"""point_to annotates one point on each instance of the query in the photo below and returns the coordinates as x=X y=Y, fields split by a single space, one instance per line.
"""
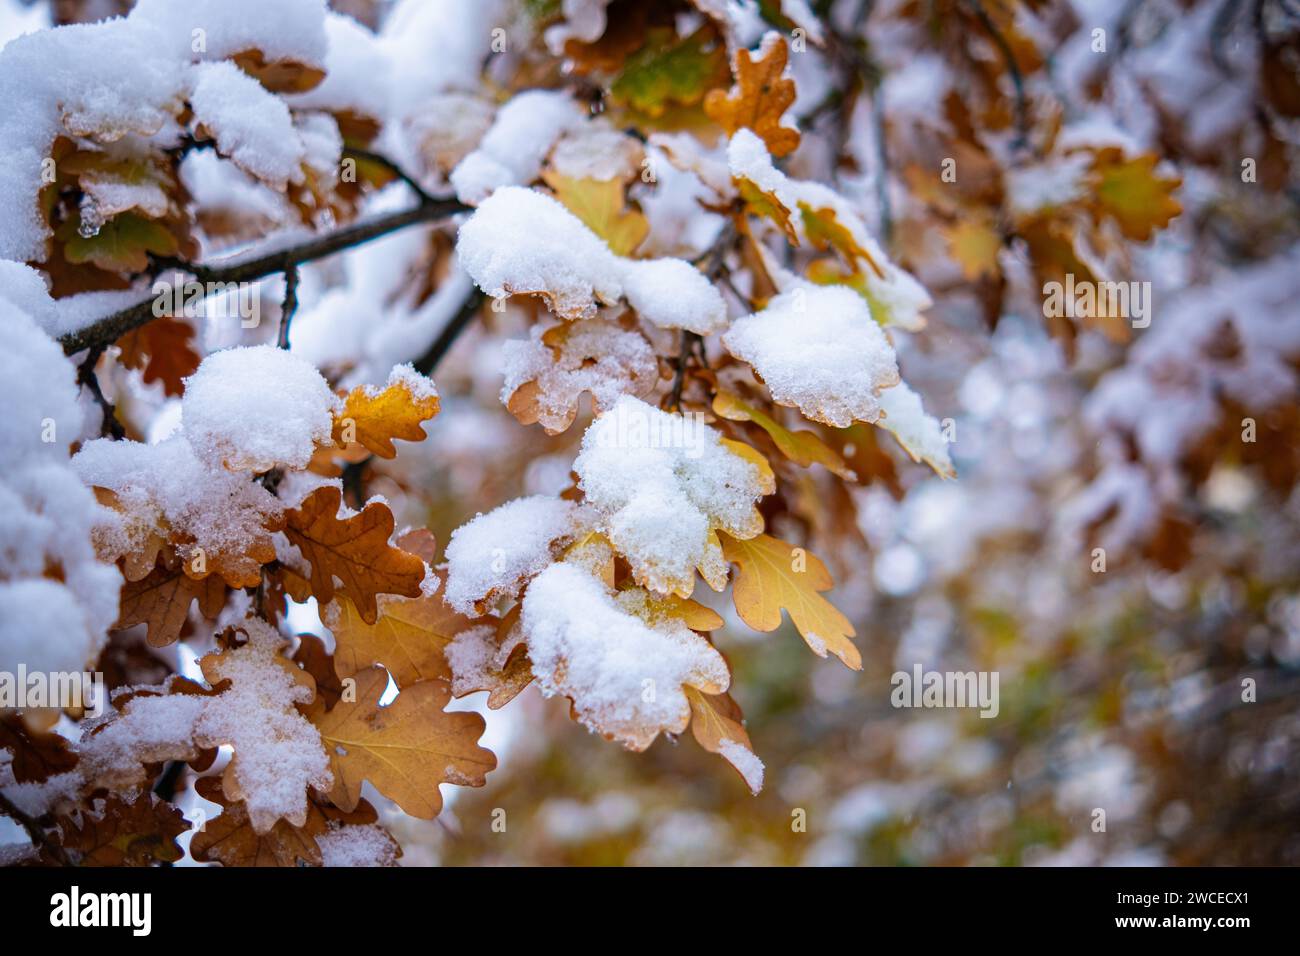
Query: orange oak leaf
x=405 y=749
x=373 y=417
x=774 y=575
x=719 y=727
x=162 y=600
x=802 y=447
x=353 y=549
x=163 y=349
x=759 y=98
x=118 y=833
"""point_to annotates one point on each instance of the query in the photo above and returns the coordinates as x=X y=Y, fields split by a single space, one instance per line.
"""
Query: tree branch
x=35 y=831
x=109 y=329
x=1013 y=68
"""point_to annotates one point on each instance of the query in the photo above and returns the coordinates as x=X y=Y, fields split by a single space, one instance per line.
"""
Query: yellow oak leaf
x=719 y=727
x=602 y=206
x=354 y=549
x=405 y=749
x=409 y=638
x=1132 y=193
x=767 y=204
x=825 y=231
x=759 y=97
x=802 y=447
x=774 y=575
x=373 y=417
x=974 y=243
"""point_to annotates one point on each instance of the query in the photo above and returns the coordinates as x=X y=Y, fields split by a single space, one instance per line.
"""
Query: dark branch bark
x=40 y=839
x=109 y=329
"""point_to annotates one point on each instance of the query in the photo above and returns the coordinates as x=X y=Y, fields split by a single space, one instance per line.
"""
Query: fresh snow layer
x=818 y=348
x=662 y=484
x=496 y=554
x=625 y=676
x=520 y=241
x=256 y=407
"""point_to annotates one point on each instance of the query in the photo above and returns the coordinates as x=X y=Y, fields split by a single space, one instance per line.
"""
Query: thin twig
x=87 y=378
x=109 y=329
x=428 y=362
x=35 y=831
x=1013 y=69
x=392 y=167
x=289 y=306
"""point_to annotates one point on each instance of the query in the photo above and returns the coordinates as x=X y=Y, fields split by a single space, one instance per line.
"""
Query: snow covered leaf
x=277 y=753
x=546 y=375
x=766 y=203
x=759 y=98
x=919 y=433
x=161 y=601
x=825 y=231
x=279 y=75
x=373 y=417
x=491 y=658
x=719 y=727
x=775 y=575
x=32 y=756
x=162 y=349
x=663 y=485
x=671 y=71
x=802 y=447
x=1132 y=193
x=496 y=554
x=409 y=638
x=139 y=833
x=523 y=242
x=624 y=669
x=354 y=549
x=602 y=205
x=405 y=749
x=818 y=349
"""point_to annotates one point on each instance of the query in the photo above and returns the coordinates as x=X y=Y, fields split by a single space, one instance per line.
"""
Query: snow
x=625 y=677
x=46 y=514
x=896 y=297
x=596 y=356
x=512 y=151
x=520 y=241
x=250 y=125
x=818 y=348
x=291 y=30
x=357 y=845
x=919 y=433
x=662 y=484
x=254 y=408
x=495 y=554
x=166 y=486
x=357 y=73
x=476 y=659
x=745 y=761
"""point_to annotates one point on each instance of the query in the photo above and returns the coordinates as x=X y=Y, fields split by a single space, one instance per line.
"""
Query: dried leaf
x=162 y=600
x=774 y=575
x=802 y=447
x=602 y=205
x=719 y=727
x=374 y=417
x=355 y=550
x=759 y=98
x=405 y=749
x=139 y=833
x=162 y=349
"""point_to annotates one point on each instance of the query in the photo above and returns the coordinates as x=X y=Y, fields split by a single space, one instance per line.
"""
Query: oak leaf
x=719 y=727
x=974 y=244
x=774 y=575
x=161 y=601
x=759 y=97
x=162 y=349
x=373 y=417
x=1131 y=193
x=405 y=749
x=602 y=205
x=670 y=71
x=139 y=833
x=802 y=447
x=353 y=549
x=122 y=244
x=34 y=757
